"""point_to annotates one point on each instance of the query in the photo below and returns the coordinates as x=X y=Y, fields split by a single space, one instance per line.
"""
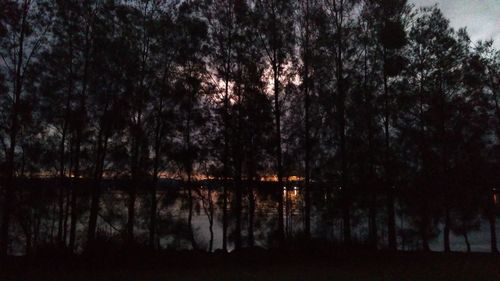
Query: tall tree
x=106 y=97
x=25 y=25
x=222 y=20
x=391 y=32
x=306 y=26
x=188 y=90
x=341 y=22
x=163 y=29
x=276 y=38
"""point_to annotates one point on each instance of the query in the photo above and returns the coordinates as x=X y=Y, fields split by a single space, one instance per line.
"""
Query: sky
x=481 y=17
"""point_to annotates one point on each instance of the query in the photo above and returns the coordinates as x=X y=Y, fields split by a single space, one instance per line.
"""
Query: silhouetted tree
x=188 y=90
x=275 y=23
x=374 y=105
x=24 y=25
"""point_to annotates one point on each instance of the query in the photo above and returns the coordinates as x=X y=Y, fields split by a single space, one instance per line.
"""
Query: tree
x=23 y=23
x=106 y=97
x=306 y=13
x=341 y=26
x=388 y=23
x=276 y=38
x=161 y=101
x=223 y=26
x=480 y=69
x=58 y=82
x=188 y=90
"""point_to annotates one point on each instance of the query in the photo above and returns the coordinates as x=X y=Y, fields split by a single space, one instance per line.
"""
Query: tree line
x=386 y=103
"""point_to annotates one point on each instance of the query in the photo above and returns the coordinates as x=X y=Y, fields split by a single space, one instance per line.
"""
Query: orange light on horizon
x=274 y=178
x=295 y=178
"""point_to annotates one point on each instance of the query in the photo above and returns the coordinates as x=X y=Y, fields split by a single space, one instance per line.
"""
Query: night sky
x=481 y=17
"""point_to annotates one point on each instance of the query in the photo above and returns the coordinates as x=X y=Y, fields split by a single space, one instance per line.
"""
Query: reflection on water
x=39 y=216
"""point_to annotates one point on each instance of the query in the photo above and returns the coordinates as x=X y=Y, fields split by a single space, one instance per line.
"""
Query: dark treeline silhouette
x=373 y=110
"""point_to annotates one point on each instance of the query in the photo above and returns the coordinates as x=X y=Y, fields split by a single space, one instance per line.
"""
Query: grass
x=262 y=266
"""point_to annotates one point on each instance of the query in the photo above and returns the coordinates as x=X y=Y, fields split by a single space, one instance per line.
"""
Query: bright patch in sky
x=481 y=17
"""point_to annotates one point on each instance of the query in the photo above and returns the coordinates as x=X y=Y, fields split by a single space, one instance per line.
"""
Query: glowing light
x=274 y=178
x=295 y=178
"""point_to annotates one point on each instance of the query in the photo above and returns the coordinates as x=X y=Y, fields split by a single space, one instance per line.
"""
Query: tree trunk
x=72 y=232
x=61 y=196
x=154 y=185
x=211 y=241
x=277 y=116
x=492 y=221
x=66 y=215
x=238 y=159
x=96 y=188
x=136 y=174
x=131 y=212
x=446 y=231
x=424 y=231
x=94 y=212
x=425 y=243
x=493 y=235
x=372 y=222
x=13 y=134
x=154 y=209
x=29 y=239
x=251 y=216
x=391 y=214
x=74 y=186
x=373 y=189
x=210 y=216
x=61 y=227
x=238 y=206
x=307 y=142
x=467 y=243
x=224 y=217
x=190 y=215
x=391 y=220
x=225 y=156
x=341 y=95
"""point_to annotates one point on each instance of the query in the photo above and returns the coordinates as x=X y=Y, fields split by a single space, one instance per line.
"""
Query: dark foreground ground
x=257 y=265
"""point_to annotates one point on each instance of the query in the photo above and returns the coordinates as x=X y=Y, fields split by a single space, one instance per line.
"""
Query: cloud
x=481 y=17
